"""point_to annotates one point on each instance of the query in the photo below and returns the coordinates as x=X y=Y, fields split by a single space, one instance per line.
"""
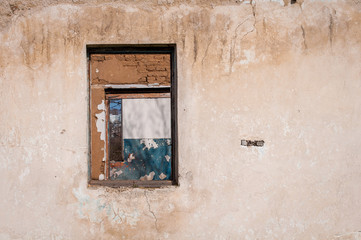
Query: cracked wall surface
x=288 y=74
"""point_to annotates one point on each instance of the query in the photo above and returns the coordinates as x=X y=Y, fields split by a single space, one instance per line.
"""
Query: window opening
x=133 y=129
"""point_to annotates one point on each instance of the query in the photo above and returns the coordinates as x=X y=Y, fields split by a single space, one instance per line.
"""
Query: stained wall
x=288 y=74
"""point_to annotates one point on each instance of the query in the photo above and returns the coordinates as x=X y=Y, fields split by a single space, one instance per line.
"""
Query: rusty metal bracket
x=249 y=143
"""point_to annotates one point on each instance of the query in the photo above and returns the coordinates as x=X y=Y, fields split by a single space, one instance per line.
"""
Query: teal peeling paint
x=151 y=157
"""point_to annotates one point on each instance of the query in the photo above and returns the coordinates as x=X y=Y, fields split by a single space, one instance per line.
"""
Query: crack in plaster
x=206 y=52
x=304 y=37
x=330 y=27
x=232 y=58
x=195 y=50
x=248 y=32
x=254 y=17
x=253 y=8
x=150 y=210
x=116 y=214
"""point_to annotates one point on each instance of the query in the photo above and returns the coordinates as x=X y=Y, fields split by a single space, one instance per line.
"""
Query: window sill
x=132 y=183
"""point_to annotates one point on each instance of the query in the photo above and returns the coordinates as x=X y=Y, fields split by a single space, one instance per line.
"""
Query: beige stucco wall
x=287 y=74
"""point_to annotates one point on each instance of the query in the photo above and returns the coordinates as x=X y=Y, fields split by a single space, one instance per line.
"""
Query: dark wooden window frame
x=140 y=49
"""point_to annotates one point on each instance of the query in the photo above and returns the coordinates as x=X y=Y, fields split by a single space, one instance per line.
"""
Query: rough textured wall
x=287 y=74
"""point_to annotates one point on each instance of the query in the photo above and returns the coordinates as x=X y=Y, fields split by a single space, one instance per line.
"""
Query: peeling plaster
x=97 y=210
x=100 y=123
x=101 y=177
x=249 y=55
x=162 y=176
x=148 y=143
x=148 y=177
x=131 y=157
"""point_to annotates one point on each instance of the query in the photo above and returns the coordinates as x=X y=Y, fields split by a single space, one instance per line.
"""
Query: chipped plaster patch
x=95 y=210
x=117 y=173
x=250 y=56
x=101 y=177
x=275 y=1
x=131 y=157
x=167 y=158
x=82 y=198
x=112 y=171
x=162 y=176
x=24 y=173
x=148 y=177
x=348 y=236
x=100 y=123
x=149 y=143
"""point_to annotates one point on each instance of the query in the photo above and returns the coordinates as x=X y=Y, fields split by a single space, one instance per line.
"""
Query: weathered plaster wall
x=287 y=74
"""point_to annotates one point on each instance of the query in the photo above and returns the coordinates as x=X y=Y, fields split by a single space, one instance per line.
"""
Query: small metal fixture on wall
x=249 y=143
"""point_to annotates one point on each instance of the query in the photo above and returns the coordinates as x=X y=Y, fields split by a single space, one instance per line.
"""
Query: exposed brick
x=151 y=68
x=157 y=74
x=97 y=58
x=160 y=68
x=129 y=57
x=130 y=68
x=151 y=63
x=142 y=69
x=120 y=57
x=139 y=57
x=151 y=79
x=143 y=79
x=130 y=64
x=161 y=79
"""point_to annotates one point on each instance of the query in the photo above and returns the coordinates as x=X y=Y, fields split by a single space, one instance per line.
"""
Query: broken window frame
x=111 y=91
